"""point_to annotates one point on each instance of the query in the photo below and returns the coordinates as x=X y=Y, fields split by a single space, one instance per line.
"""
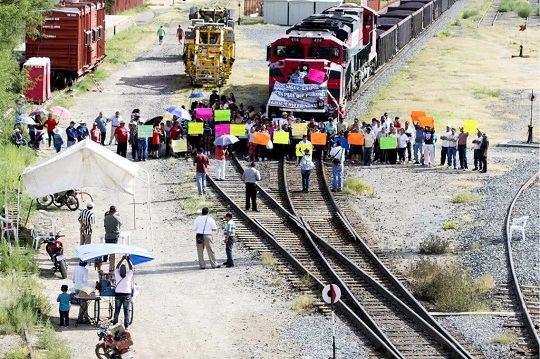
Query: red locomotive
x=337 y=50
x=73 y=37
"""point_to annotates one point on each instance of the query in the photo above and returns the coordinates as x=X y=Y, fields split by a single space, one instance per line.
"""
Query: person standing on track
x=250 y=177
x=86 y=220
x=306 y=165
x=161 y=34
x=201 y=162
x=220 y=153
x=206 y=225
x=337 y=156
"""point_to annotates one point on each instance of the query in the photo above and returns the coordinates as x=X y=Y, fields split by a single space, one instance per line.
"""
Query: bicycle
x=83 y=196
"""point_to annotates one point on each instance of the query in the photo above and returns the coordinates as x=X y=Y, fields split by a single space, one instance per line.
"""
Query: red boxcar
x=123 y=5
x=73 y=37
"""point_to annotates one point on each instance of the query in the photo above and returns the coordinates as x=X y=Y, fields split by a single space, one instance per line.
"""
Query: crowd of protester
x=414 y=144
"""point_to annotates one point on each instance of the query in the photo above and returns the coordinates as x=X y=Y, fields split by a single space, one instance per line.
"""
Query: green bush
x=523 y=9
x=469 y=13
x=449 y=225
x=355 y=186
x=466 y=197
x=506 y=6
x=448 y=287
x=434 y=245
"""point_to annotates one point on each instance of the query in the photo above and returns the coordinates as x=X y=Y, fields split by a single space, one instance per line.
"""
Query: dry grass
x=466 y=197
x=449 y=225
x=504 y=339
x=467 y=184
x=450 y=83
x=268 y=259
x=303 y=303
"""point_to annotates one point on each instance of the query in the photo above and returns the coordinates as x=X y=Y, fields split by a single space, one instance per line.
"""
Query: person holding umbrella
x=220 y=157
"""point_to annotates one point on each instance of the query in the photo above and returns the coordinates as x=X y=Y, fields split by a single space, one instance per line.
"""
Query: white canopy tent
x=85 y=164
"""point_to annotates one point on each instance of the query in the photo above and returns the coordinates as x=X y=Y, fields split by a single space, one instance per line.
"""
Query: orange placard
x=416 y=114
x=261 y=138
x=356 y=139
x=424 y=121
x=318 y=138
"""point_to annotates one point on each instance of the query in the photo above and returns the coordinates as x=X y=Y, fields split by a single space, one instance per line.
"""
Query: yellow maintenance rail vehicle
x=209 y=47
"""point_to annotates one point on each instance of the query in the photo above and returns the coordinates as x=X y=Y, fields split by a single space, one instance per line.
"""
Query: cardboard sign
x=145 y=131
x=179 y=145
x=223 y=129
x=222 y=115
x=388 y=143
x=301 y=147
x=318 y=138
x=299 y=130
x=356 y=139
x=261 y=138
x=416 y=114
x=316 y=76
x=238 y=130
x=470 y=126
x=281 y=137
x=424 y=121
x=344 y=142
x=204 y=112
x=195 y=128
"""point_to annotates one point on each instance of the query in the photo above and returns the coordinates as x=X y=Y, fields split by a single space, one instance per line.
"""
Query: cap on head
x=83 y=263
x=485 y=134
x=122 y=121
x=90 y=204
x=112 y=209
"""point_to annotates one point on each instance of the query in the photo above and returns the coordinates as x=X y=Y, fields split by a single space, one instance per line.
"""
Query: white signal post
x=331 y=294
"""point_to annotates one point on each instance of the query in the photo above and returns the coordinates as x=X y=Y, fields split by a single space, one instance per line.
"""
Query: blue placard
x=344 y=142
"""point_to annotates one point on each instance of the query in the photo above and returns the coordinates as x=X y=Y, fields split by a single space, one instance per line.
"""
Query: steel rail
x=350 y=314
x=404 y=292
x=515 y=283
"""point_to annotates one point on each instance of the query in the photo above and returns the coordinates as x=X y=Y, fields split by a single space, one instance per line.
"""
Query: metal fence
x=253 y=7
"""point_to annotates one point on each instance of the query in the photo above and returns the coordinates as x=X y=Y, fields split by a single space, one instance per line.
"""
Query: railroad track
x=523 y=300
x=490 y=16
x=406 y=333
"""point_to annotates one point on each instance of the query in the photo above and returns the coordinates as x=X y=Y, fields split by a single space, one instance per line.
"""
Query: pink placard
x=316 y=76
x=223 y=129
x=204 y=112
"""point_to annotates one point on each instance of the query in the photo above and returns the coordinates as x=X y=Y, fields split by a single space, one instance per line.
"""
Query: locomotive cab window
x=323 y=52
x=292 y=52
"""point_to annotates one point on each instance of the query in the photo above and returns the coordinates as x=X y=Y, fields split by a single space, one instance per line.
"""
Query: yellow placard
x=424 y=121
x=318 y=138
x=470 y=126
x=416 y=114
x=356 y=139
x=179 y=145
x=299 y=130
x=195 y=128
x=238 y=130
x=281 y=137
x=300 y=148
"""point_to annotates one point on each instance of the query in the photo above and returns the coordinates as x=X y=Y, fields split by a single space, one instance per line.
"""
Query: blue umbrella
x=179 y=111
x=24 y=119
x=197 y=95
x=97 y=250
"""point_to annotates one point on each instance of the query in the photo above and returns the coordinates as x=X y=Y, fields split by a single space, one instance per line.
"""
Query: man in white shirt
x=206 y=225
x=452 y=149
x=477 y=152
x=249 y=125
x=115 y=122
x=445 y=143
x=403 y=140
x=80 y=280
x=337 y=156
x=284 y=120
x=369 y=141
x=123 y=290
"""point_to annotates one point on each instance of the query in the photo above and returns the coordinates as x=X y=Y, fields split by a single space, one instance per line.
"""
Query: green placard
x=222 y=115
x=145 y=131
x=388 y=143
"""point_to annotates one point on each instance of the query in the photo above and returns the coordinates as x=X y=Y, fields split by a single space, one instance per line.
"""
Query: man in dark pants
x=484 y=152
x=112 y=227
x=250 y=178
x=121 y=134
x=123 y=290
x=477 y=152
x=230 y=237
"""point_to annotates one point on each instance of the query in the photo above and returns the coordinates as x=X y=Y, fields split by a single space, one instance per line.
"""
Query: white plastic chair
x=7 y=229
x=519 y=224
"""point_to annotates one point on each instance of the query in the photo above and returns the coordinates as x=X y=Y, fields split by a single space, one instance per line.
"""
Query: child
x=64 y=300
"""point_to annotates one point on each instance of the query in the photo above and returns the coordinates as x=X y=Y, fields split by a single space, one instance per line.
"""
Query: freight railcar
x=346 y=43
x=73 y=37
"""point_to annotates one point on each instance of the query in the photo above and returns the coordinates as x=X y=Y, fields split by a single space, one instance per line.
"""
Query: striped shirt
x=86 y=218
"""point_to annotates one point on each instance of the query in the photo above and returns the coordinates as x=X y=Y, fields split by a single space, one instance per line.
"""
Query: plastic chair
x=7 y=229
x=519 y=224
